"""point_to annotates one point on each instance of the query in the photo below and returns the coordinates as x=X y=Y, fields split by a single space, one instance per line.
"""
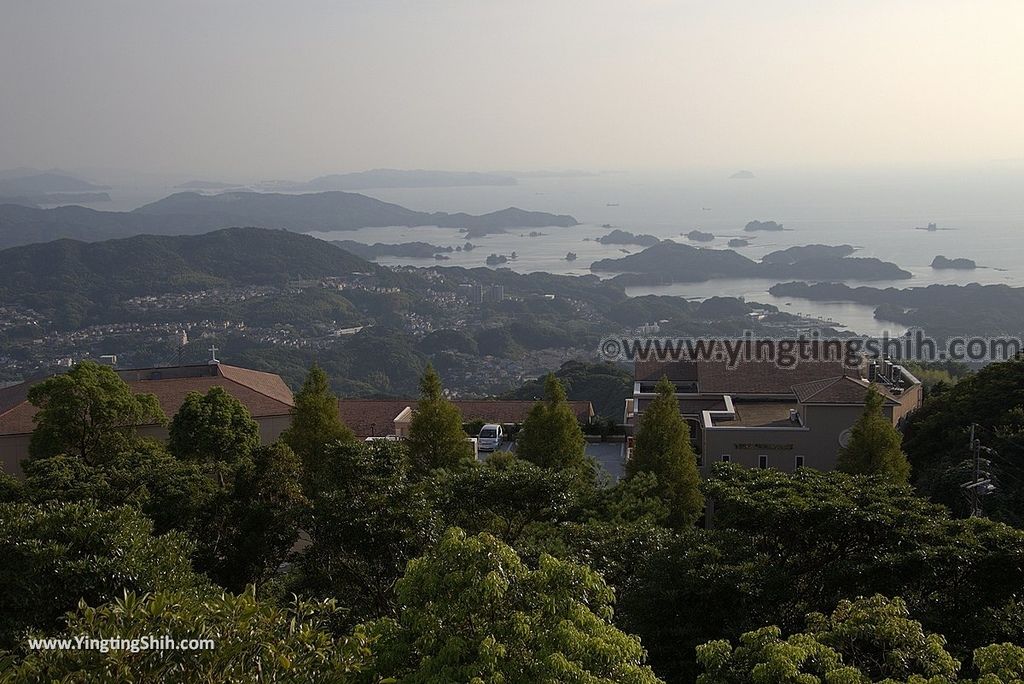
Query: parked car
x=491 y=437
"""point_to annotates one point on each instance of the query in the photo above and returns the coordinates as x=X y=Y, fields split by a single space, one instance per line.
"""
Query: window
x=762 y=461
x=799 y=461
x=725 y=458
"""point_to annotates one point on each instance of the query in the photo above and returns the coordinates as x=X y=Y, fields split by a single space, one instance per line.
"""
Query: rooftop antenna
x=213 y=355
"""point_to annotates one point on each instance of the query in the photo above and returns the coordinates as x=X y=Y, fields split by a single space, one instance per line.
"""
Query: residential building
x=762 y=414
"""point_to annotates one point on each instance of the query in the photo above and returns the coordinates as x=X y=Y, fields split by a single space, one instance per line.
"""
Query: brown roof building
x=768 y=412
x=265 y=395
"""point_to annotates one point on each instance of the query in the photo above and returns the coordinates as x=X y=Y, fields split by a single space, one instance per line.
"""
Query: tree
x=788 y=544
x=213 y=428
x=89 y=412
x=252 y=641
x=551 y=436
x=315 y=422
x=662 y=446
x=436 y=438
x=55 y=554
x=865 y=640
x=875 y=446
x=473 y=611
x=261 y=519
x=369 y=518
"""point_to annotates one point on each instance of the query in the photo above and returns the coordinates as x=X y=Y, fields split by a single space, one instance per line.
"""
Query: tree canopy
x=436 y=438
x=551 y=436
x=662 y=446
x=473 y=611
x=315 y=421
x=89 y=412
x=875 y=445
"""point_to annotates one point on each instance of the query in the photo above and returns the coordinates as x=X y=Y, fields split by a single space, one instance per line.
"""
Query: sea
x=978 y=212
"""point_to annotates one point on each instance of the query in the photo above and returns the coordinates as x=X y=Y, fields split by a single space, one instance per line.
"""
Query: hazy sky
x=265 y=89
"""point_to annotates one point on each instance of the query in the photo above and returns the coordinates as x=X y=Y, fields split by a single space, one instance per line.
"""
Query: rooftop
x=264 y=394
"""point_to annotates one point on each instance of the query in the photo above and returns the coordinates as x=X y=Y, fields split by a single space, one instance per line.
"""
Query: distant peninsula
x=624 y=237
x=45 y=183
x=961 y=263
x=206 y=185
x=672 y=262
x=189 y=213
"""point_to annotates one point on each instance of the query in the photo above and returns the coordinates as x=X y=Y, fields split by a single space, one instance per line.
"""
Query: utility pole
x=979 y=486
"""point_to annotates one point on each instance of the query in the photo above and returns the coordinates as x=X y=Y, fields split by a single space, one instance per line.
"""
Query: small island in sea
x=571 y=256
x=753 y=226
x=738 y=242
x=961 y=263
x=623 y=237
x=742 y=174
x=700 y=236
x=496 y=259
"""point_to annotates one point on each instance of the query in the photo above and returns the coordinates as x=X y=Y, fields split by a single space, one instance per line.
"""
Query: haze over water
x=978 y=212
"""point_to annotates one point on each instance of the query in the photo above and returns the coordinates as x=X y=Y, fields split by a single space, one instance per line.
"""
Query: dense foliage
x=388 y=564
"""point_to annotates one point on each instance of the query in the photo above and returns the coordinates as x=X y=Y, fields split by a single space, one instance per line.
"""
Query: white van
x=490 y=438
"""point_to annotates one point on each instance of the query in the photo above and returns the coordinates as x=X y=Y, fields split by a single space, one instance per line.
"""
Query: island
x=672 y=262
x=754 y=226
x=793 y=255
x=738 y=242
x=941 y=262
x=624 y=237
x=496 y=259
x=700 y=236
x=941 y=310
x=742 y=174
x=571 y=256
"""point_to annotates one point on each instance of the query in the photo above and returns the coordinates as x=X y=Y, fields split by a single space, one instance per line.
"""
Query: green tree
x=174 y=494
x=551 y=436
x=315 y=422
x=788 y=544
x=369 y=518
x=875 y=446
x=55 y=554
x=473 y=611
x=252 y=641
x=213 y=428
x=260 y=522
x=864 y=640
x=662 y=446
x=436 y=438
x=89 y=412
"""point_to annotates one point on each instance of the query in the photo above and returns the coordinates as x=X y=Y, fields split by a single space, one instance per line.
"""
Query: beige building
x=763 y=415
x=265 y=395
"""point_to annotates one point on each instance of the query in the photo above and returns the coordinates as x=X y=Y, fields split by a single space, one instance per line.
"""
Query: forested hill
x=187 y=213
x=154 y=264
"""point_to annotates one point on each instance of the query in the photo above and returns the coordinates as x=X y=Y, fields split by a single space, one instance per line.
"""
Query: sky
x=252 y=89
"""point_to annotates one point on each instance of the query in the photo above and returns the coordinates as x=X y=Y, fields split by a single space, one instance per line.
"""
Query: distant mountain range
x=46 y=182
x=391 y=178
x=188 y=213
x=75 y=281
